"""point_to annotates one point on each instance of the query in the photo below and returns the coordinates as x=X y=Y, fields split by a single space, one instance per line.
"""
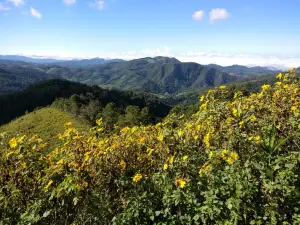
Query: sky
x=226 y=32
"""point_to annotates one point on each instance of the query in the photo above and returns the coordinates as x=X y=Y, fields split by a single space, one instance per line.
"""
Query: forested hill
x=15 y=76
x=156 y=75
x=160 y=75
x=45 y=93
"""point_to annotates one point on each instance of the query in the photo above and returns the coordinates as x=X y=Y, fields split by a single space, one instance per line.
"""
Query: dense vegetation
x=16 y=76
x=156 y=75
x=235 y=161
x=86 y=101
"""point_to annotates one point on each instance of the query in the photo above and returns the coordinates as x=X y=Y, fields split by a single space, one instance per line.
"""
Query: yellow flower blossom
x=180 y=133
x=180 y=182
x=222 y=87
x=185 y=158
x=229 y=160
x=234 y=155
x=253 y=118
x=241 y=123
x=196 y=137
x=279 y=76
x=207 y=140
x=202 y=98
x=293 y=108
x=160 y=137
x=292 y=70
x=265 y=87
x=137 y=177
x=278 y=83
x=166 y=166
x=211 y=154
x=13 y=143
x=234 y=112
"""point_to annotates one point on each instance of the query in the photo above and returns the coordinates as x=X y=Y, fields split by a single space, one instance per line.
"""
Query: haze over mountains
x=156 y=75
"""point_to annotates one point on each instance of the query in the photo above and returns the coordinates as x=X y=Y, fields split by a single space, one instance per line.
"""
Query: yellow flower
x=279 y=76
x=206 y=140
x=202 y=98
x=250 y=138
x=13 y=143
x=180 y=182
x=222 y=87
x=234 y=155
x=196 y=137
x=211 y=154
x=229 y=160
x=241 y=124
x=49 y=184
x=122 y=165
x=292 y=70
x=224 y=154
x=265 y=87
x=252 y=118
x=180 y=133
x=185 y=158
x=166 y=166
x=278 y=83
x=137 y=177
x=293 y=108
x=160 y=137
x=68 y=124
x=234 y=112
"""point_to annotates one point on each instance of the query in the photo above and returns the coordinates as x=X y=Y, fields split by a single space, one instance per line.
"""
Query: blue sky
x=221 y=31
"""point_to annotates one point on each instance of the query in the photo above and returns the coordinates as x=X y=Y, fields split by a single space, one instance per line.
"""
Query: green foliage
x=235 y=161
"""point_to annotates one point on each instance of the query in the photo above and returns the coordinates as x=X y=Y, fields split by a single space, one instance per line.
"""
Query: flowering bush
x=233 y=162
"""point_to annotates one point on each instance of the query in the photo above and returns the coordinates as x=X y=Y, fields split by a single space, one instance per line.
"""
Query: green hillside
x=156 y=75
x=45 y=122
x=16 y=76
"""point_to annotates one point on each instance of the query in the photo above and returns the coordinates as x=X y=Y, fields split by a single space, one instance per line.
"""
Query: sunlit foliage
x=233 y=162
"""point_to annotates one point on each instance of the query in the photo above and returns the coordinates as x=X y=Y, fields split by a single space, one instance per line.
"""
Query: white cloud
x=35 y=13
x=69 y=2
x=17 y=2
x=228 y=59
x=198 y=15
x=98 y=4
x=3 y=7
x=218 y=14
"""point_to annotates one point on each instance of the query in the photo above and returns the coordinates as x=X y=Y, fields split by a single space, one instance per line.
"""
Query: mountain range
x=160 y=75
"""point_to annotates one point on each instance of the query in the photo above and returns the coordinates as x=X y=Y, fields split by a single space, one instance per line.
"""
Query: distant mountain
x=86 y=62
x=28 y=59
x=244 y=71
x=157 y=75
x=298 y=70
x=17 y=76
x=64 y=63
